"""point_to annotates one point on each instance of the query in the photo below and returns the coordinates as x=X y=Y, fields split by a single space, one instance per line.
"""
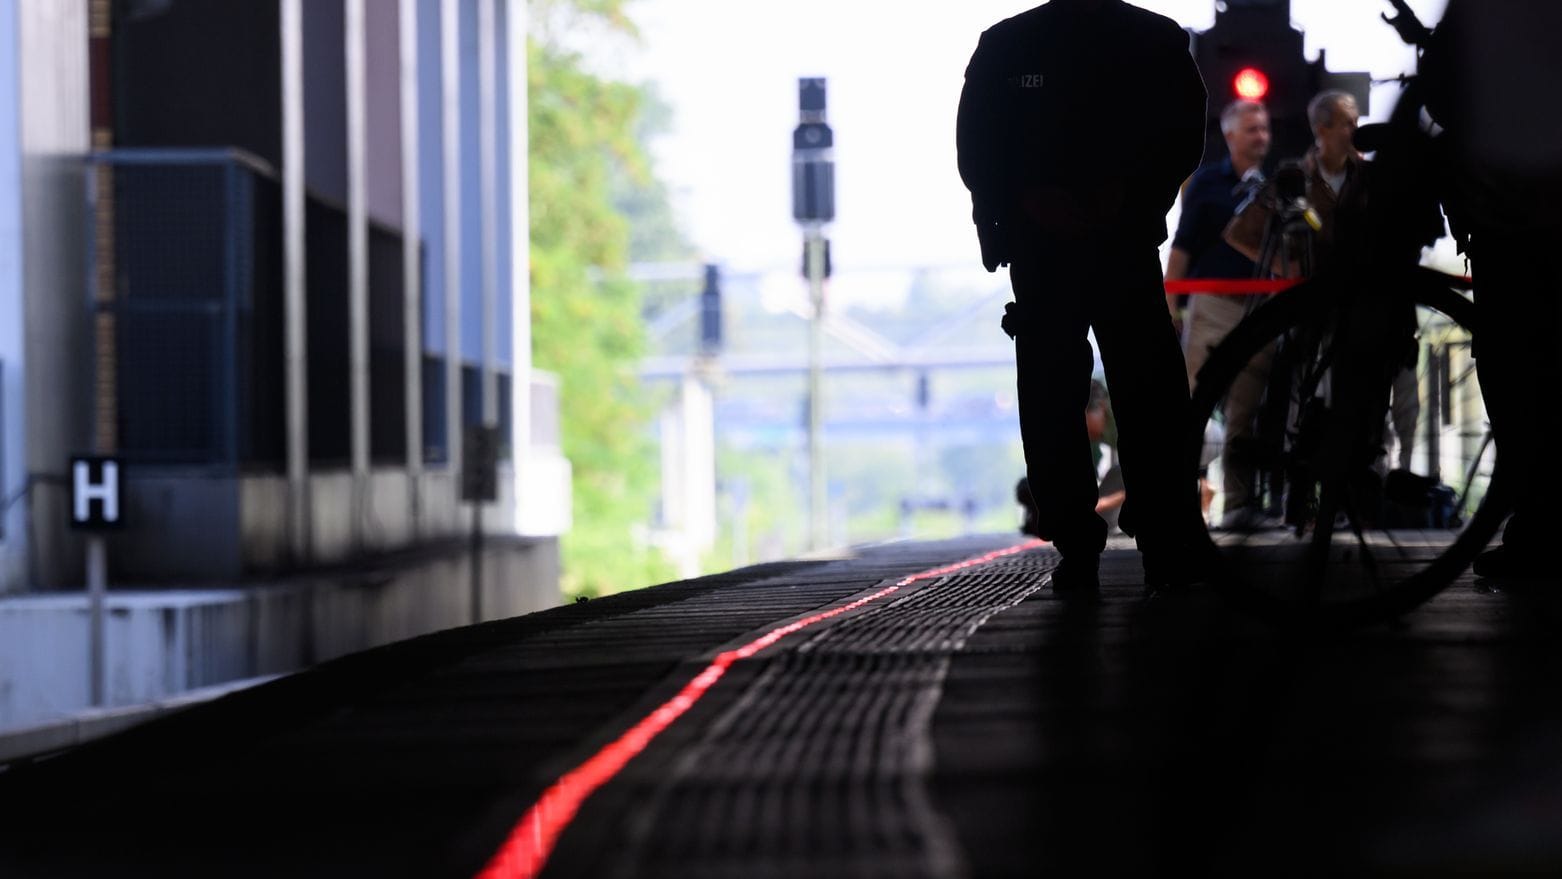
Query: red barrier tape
x=1241 y=286
x=1230 y=287
x=531 y=841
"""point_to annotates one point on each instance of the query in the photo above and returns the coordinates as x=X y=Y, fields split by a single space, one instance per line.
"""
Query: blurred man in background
x=1333 y=172
x=1199 y=250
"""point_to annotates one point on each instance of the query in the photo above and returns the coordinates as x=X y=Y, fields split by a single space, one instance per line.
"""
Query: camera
x=1290 y=181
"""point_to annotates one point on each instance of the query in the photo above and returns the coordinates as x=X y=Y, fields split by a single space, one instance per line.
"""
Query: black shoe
x=1507 y=563
x=1077 y=573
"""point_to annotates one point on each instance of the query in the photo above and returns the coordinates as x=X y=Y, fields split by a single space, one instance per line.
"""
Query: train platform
x=917 y=709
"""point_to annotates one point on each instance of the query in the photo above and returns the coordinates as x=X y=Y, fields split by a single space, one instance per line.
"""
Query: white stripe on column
x=488 y=147
x=520 y=255
x=357 y=266
x=295 y=344
x=411 y=256
x=450 y=81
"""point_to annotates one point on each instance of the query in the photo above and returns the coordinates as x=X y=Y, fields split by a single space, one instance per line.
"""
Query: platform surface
x=970 y=723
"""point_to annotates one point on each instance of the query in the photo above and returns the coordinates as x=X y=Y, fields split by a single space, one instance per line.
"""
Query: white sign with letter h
x=84 y=491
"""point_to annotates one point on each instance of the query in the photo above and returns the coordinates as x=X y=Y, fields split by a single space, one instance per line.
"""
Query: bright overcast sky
x=729 y=69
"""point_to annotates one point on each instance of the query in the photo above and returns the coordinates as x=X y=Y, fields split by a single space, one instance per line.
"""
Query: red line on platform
x=531 y=840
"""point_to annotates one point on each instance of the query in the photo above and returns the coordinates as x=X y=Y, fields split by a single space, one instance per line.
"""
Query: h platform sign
x=95 y=483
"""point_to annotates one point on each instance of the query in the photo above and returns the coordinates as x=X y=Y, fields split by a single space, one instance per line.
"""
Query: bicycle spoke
x=1316 y=569
x=1470 y=474
x=1312 y=378
x=1368 y=560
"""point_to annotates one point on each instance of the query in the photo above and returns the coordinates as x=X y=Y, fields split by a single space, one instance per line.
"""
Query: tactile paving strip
x=820 y=767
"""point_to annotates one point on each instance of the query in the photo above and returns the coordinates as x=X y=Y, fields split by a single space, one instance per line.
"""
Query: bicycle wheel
x=1344 y=488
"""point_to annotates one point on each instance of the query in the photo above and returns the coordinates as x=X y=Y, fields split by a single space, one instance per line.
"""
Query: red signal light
x=1250 y=84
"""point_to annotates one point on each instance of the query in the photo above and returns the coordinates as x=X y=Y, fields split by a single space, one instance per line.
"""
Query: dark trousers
x=1518 y=295
x=1063 y=290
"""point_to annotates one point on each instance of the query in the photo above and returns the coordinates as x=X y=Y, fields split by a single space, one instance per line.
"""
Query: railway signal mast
x=813 y=206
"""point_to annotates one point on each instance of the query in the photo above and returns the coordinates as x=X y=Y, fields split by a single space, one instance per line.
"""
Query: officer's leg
x=1053 y=363
x=1140 y=351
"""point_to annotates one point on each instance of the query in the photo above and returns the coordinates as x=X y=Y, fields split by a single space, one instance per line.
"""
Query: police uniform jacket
x=1092 y=104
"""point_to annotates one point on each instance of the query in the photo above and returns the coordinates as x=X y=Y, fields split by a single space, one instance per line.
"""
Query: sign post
x=95 y=482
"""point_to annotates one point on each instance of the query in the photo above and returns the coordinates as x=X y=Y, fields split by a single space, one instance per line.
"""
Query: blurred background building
x=271 y=254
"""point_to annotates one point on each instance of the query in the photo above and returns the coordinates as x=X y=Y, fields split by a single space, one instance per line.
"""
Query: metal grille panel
x=819 y=768
x=197 y=271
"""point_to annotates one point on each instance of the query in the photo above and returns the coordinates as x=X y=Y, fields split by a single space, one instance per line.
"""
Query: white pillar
x=295 y=344
x=488 y=156
x=520 y=254
x=450 y=82
x=357 y=266
x=411 y=258
x=14 y=368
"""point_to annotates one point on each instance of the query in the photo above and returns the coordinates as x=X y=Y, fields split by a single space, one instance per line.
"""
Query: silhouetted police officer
x=1078 y=121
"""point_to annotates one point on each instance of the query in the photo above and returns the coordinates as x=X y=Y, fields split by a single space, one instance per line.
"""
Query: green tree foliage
x=585 y=313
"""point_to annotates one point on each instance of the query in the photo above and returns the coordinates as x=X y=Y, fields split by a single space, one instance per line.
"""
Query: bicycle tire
x=1310 y=303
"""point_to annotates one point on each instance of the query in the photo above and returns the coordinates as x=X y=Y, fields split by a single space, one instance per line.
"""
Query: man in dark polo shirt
x=1070 y=185
x=1199 y=250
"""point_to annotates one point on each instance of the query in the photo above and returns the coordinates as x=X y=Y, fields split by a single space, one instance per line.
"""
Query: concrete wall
x=13 y=312
x=179 y=525
x=164 y=643
x=189 y=526
x=51 y=60
x=263 y=522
